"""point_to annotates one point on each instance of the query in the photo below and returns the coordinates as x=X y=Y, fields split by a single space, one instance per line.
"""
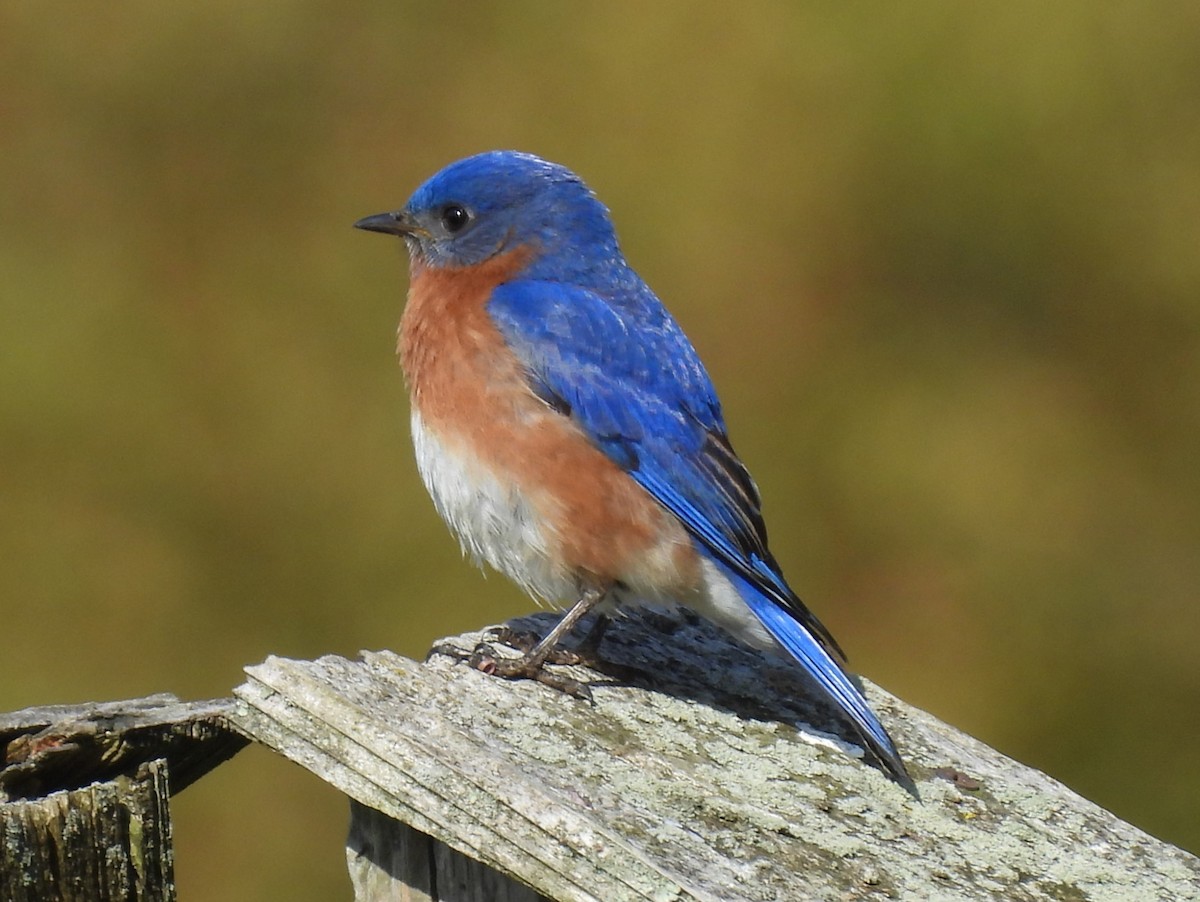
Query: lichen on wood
x=696 y=775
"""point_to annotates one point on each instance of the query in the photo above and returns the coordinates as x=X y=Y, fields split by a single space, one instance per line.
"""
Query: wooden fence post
x=84 y=795
x=389 y=861
x=107 y=840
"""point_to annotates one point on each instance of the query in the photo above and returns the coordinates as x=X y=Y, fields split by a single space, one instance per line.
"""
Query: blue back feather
x=623 y=370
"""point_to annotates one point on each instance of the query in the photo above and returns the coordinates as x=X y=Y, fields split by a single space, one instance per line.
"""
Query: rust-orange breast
x=494 y=453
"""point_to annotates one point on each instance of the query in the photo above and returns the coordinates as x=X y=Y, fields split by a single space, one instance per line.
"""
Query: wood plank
x=55 y=747
x=697 y=780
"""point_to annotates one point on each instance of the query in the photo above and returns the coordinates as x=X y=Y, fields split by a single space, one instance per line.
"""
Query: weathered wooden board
x=692 y=780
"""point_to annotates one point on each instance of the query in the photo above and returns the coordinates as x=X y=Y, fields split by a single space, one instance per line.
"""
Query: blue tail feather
x=827 y=674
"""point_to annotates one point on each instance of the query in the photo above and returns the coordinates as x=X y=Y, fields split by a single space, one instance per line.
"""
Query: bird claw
x=525 y=641
x=524 y=669
x=586 y=653
x=484 y=659
x=446 y=650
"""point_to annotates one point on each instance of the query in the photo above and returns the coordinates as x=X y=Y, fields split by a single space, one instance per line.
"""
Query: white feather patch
x=494 y=523
x=720 y=601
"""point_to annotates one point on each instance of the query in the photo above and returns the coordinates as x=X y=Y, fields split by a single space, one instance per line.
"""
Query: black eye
x=455 y=217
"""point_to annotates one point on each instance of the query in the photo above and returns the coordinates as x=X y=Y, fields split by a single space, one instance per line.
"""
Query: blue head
x=498 y=201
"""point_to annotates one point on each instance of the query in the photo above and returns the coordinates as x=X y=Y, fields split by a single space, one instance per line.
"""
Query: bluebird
x=569 y=434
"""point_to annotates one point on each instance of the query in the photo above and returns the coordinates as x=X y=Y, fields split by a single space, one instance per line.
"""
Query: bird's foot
x=527 y=667
x=585 y=654
x=485 y=659
x=539 y=651
x=525 y=641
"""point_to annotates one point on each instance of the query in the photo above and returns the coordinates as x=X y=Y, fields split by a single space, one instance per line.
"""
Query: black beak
x=397 y=223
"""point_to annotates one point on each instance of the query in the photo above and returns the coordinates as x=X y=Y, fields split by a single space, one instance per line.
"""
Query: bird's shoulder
x=617 y=339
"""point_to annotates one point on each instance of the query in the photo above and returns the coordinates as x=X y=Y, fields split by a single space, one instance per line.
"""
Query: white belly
x=498 y=524
x=494 y=523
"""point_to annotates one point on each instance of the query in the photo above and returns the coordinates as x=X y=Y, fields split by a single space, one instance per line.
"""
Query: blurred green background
x=942 y=259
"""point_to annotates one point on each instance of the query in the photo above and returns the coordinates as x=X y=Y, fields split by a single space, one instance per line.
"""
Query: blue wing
x=625 y=372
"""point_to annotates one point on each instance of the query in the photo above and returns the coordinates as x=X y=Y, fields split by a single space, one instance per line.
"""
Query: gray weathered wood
x=67 y=746
x=83 y=795
x=693 y=782
x=390 y=861
x=105 y=842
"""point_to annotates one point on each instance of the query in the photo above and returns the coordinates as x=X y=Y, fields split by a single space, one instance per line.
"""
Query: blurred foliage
x=942 y=259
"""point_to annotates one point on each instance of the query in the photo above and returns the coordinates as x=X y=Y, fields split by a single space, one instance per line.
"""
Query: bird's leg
x=585 y=652
x=531 y=666
x=537 y=656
